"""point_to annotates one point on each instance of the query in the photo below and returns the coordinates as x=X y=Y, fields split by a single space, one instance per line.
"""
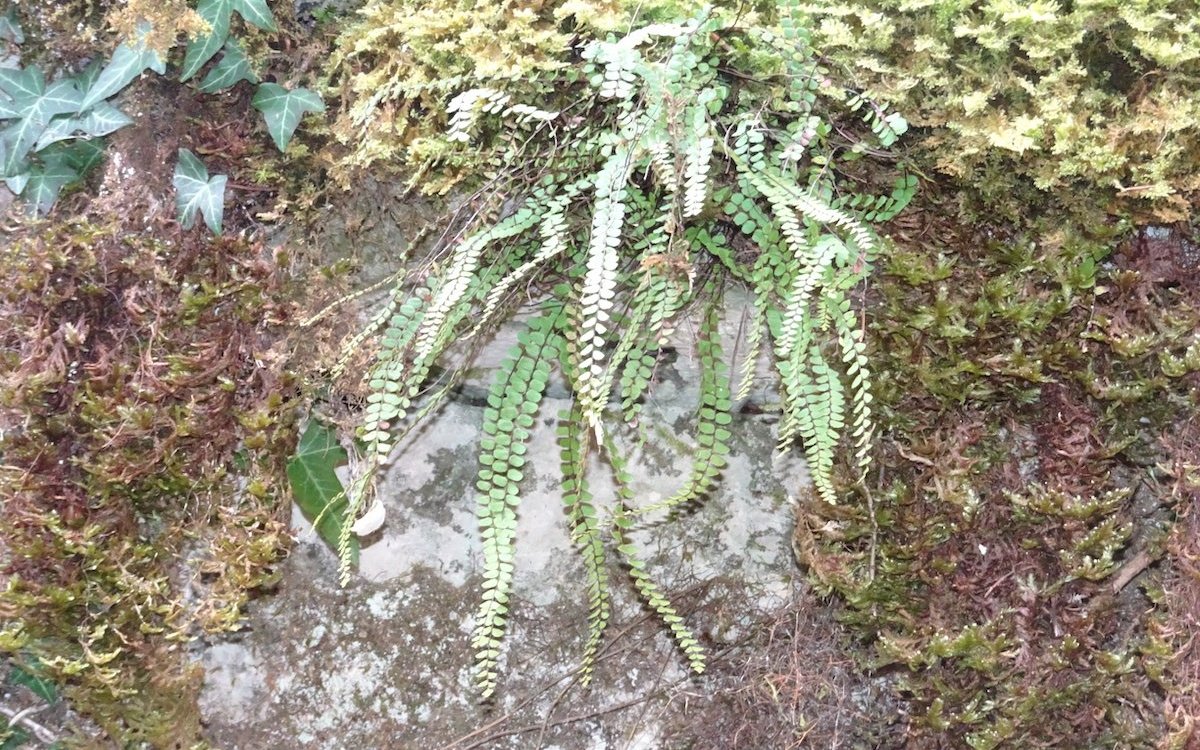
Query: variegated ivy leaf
x=86 y=78
x=201 y=49
x=282 y=109
x=101 y=120
x=16 y=183
x=129 y=60
x=81 y=155
x=256 y=12
x=231 y=68
x=217 y=13
x=196 y=192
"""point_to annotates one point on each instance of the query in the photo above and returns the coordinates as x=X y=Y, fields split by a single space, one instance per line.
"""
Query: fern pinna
x=678 y=159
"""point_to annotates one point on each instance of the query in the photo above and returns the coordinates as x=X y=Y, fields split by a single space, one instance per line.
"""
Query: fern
x=586 y=532
x=678 y=158
x=599 y=287
x=649 y=591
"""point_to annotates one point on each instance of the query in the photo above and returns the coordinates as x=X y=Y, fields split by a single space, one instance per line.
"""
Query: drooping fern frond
x=623 y=522
x=713 y=416
x=586 y=532
x=512 y=402
x=459 y=273
x=598 y=291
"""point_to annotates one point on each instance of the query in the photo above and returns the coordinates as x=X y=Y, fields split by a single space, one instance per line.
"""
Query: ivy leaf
x=10 y=27
x=315 y=485
x=37 y=105
x=45 y=182
x=232 y=67
x=282 y=110
x=30 y=96
x=201 y=49
x=86 y=78
x=81 y=155
x=22 y=84
x=129 y=61
x=196 y=192
x=100 y=121
x=16 y=183
x=257 y=13
x=34 y=682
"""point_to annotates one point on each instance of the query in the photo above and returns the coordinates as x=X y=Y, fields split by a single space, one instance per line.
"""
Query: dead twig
x=1131 y=569
x=22 y=719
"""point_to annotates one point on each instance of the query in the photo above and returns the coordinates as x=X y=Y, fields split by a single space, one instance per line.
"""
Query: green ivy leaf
x=37 y=104
x=100 y=121
x=34 y=682
x=129 y=60
x=315 y=485
x=201 y=49
x=45 y=181
x=231 y=68
x=10 y=27
x=196 y=192
x=256 y=12
x=218 y=13
x=282 y=110
x=86 y=78
x=80 y=155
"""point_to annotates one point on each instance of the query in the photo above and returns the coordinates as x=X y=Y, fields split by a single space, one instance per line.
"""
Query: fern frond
x=697 y=158
x=599 y=287
x=553 y=230
x=649 y=591
x=512 y=401
x=659 y=299
x=815 y=409
x=853 y=346
x=712 y=431
x=465 y=109
x=461 y=268
x=585 y=532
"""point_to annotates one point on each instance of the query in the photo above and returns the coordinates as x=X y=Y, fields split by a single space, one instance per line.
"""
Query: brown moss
x=1007 y=552
x=137 y=375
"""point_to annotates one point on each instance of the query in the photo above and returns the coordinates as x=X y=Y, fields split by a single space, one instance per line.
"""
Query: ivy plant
x=36 y=114
x=39 y=117
x=678 y=159
x=218 y=13
x=283 y=109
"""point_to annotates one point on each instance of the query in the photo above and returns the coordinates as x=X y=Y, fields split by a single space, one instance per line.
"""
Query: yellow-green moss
x=1090 y=101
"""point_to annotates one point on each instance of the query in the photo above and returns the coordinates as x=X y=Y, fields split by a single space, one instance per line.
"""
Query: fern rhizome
x=636 y=185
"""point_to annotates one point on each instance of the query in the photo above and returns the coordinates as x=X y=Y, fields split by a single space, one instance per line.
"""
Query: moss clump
x=398 y=66
x=136 y=383
x=1090 y=101
x=995 y=556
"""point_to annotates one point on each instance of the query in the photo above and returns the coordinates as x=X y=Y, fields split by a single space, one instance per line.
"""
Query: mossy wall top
x=1091 y=95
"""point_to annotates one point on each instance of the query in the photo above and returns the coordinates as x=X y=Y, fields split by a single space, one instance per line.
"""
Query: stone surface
x=387 y=660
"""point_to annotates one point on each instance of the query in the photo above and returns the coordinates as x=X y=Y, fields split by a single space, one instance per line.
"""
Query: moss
x=1092 y=103
x=984 y=561
x=127 y=405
